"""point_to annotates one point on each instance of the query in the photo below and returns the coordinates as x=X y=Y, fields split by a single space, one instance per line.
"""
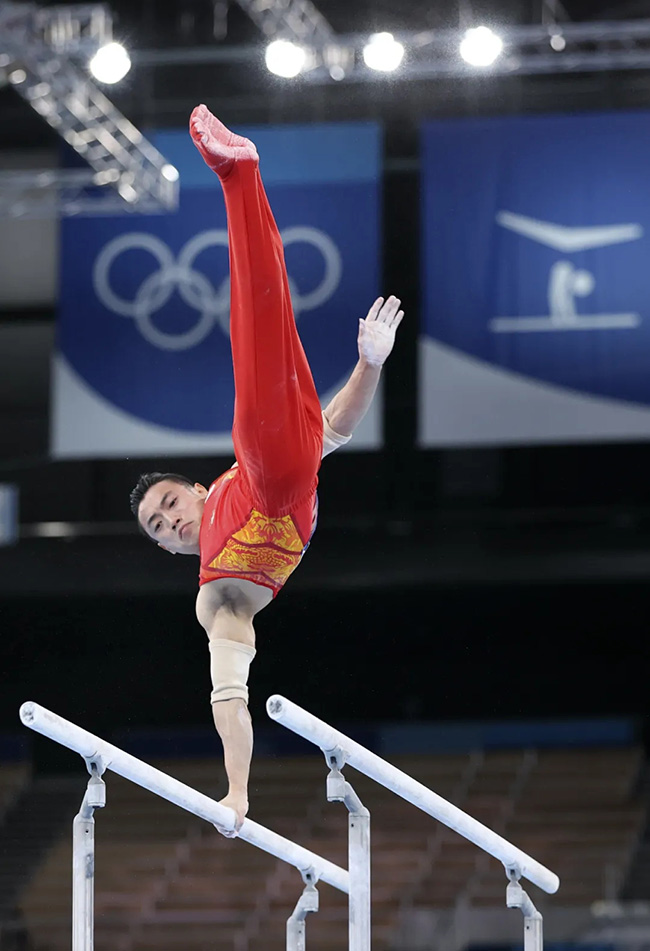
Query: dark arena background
x=475 y=603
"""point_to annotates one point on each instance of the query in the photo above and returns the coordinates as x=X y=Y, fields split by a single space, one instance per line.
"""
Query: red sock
x=219 y=147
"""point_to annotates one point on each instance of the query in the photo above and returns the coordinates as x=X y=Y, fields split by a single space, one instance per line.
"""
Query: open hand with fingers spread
x=377 y=330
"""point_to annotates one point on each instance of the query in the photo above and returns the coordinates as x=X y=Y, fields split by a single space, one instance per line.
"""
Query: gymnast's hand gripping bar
x=327 y=738
x=94 y=749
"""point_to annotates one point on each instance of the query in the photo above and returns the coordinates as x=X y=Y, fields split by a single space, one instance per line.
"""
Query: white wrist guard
x=331 y=439
x=229 y=665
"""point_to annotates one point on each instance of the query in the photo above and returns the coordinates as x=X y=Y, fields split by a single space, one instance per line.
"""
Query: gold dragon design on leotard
x=265 y=550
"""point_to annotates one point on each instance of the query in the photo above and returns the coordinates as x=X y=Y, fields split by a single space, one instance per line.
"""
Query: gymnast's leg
x=277 y=428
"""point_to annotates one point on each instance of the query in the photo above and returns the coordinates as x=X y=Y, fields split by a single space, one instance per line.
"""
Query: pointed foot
x=219 y=147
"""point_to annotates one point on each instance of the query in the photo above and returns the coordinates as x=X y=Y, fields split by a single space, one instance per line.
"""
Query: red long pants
x=278 y=427
x=259 y=516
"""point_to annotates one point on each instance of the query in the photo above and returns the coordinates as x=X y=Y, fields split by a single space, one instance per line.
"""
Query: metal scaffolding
x=125 y=172
x=296 y=20
x=40 y=51
x=546 y=48
x=553 y=47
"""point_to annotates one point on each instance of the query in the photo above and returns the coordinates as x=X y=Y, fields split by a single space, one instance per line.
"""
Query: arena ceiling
x=190 y=21
x=163 y=95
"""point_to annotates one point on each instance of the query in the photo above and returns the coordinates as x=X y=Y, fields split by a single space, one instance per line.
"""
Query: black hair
x=145 y=482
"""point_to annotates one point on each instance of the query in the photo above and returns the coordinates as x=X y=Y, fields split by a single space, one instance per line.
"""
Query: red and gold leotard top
x=238 y=541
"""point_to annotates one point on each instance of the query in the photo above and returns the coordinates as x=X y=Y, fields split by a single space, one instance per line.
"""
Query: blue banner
x=536 y=318
x=143 y=363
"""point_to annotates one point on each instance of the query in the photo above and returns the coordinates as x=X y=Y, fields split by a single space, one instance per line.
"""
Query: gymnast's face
x=171 y=513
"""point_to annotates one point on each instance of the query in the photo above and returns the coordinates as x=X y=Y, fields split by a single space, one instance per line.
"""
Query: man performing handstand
x=253 y=525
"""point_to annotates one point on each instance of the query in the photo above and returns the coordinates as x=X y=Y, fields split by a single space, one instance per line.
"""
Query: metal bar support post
x=307 y=903
x=83 y=859
x=516 y=897
x=339 y=790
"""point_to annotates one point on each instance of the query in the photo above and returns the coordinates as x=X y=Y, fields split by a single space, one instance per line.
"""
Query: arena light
x=481 y=46
x=383 y=53
x=285 y=59
x=558 y=43
x=110 y=64
x=170 y=172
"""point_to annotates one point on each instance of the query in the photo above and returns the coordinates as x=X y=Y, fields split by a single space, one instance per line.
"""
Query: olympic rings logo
x=194 y=288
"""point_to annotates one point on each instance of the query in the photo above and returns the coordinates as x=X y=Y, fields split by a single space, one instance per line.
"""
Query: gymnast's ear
x=165 y=549
x=201 y=489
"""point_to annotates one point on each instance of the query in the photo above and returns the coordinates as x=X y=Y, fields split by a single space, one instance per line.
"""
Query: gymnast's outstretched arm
x=231 y=641
x=375 y=341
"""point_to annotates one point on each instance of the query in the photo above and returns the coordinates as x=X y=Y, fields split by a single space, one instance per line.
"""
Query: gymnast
x=251 y=528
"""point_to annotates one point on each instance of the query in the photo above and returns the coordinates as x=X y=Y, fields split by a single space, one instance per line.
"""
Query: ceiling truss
x=588 y=47
x=40 y=49
x=123 y=171
x=297 y=20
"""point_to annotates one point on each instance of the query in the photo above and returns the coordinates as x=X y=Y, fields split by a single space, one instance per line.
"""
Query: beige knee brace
x=229 y=664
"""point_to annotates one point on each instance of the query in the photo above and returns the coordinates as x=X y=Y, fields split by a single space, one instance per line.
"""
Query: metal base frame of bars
x=339 y=751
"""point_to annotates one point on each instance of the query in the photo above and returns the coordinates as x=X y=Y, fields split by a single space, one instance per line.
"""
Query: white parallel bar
x=91 y=747
x=327 y=738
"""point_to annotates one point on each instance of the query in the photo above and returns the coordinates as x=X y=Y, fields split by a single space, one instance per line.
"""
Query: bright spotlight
x=285 y=59
x=110 y=63
x=383 y=53
x=558 y=43
x=128 y=192
x=480 y=46
x=170 y=172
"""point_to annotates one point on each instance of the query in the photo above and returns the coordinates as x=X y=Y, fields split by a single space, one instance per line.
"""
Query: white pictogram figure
x=566 y=282
x=194 y=288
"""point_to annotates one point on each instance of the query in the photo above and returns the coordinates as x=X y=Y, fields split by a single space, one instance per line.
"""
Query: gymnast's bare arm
x=375 y=341
x=225 y=608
